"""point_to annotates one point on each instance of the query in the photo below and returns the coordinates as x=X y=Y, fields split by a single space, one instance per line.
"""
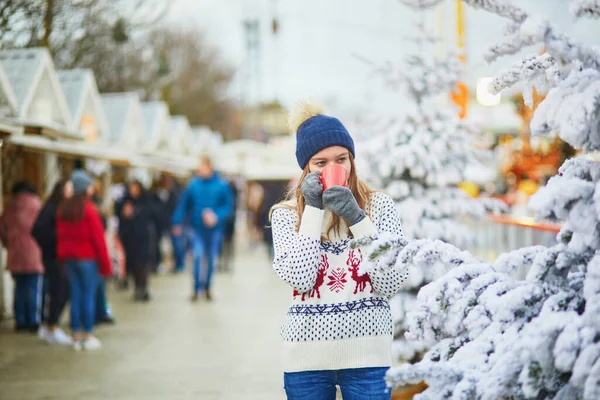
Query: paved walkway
x=167 y=349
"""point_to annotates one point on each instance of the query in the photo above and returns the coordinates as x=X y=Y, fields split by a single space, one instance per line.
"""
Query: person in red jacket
x=24 y=258
x=81 y=247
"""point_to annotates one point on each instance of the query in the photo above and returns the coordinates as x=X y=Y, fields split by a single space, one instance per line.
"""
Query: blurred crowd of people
x=59 y=252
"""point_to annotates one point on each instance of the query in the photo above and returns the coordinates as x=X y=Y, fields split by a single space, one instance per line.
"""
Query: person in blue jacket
x=207 y=203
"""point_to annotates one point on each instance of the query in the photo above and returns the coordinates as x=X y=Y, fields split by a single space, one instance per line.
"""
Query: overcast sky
x=315 y=52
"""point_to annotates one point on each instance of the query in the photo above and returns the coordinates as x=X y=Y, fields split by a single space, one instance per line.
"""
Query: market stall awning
x=172 y=166
x=71 y=148
x=7 y=128
x=45 y=129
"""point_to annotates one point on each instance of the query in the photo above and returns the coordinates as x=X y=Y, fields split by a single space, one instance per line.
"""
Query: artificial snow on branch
x=530 y=32
x=390 y=251
x=527 y=69
x=585 y=8
x=573 y=110
x=502 y=8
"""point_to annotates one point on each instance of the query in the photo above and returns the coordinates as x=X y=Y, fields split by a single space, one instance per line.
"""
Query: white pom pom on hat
x=301 y=112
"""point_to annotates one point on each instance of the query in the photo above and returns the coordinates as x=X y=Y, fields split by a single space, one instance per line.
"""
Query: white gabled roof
x=119 y=108
x=205 y=140
x=181 y=135
x=156 y=117
x=8 y=100
x=25 y=70
x=80 y=87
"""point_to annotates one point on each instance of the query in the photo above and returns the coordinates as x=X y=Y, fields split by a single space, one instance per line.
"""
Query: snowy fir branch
x=393 y=251
x=511 y=44
x=527 y=69
x=585 y=8
x=573 y=110
x=500 y=7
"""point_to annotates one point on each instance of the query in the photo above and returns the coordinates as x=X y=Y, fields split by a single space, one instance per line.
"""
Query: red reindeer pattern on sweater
x=321 y=273
x=354 y=259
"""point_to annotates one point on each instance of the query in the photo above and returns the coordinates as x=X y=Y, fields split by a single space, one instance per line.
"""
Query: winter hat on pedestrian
x=81 y=181
x=315 y=132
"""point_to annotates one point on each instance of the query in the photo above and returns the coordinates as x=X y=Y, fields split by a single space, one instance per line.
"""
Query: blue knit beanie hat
x=81 y=181
x=315 y=132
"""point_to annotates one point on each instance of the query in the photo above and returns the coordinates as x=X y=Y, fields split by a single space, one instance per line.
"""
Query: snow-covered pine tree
x=494 y=337
x=420 y=157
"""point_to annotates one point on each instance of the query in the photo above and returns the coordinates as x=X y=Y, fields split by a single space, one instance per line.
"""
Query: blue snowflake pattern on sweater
x=308 y=309
x=335 y=248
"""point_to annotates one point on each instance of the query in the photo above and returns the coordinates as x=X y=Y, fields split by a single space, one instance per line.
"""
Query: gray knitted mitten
x=312 y=190
x=340 y=200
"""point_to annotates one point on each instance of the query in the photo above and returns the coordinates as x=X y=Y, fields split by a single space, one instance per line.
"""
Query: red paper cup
x=334 y=175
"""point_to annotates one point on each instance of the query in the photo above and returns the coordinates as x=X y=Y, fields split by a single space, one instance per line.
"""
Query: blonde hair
x=295 y=200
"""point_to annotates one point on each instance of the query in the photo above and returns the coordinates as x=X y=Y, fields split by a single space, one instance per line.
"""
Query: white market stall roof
x=181 y=135
x=243 y=148
x=37 y=91
x=158 y=124
x=125 y=122
x=205 y=140
x=8 y=100
x=259 y=161
x=83 y=99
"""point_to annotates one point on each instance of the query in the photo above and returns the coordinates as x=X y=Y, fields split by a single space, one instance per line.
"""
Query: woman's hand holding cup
x=340 y=200
x=312 y=190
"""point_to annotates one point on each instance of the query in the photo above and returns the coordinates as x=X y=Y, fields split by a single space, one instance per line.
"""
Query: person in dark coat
x=228 y=248
x=44 y=233
x=156 y=198
x=274 y=192
x=169 y=193
x=138 y=219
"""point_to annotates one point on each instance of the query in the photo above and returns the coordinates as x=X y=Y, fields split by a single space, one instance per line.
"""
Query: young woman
x=338 y=330
x=24 y=258
x=44 y=232
x=81 y=247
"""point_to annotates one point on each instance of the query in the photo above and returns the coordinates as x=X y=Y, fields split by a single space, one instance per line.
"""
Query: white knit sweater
x=338 y=319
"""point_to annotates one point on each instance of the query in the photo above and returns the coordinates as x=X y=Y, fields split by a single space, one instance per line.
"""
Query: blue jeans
x=179 y=247
x=83 y=279
x=102 y=309
x=355 y=384
x=205 y=245
x=28 y=300
x=44 y=302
